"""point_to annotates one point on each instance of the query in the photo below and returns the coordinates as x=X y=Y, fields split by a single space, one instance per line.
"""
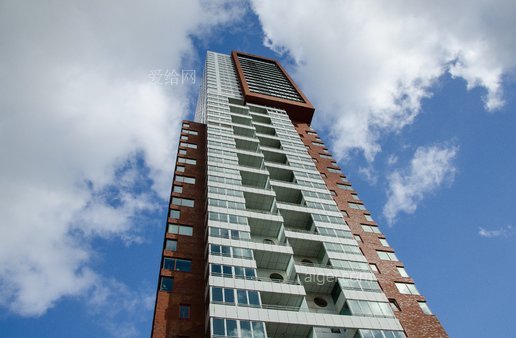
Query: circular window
x=307 y=261
x=268 y=241
x=320 y=302
x=276 y=277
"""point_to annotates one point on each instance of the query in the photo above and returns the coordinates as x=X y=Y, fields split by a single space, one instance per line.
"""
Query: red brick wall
x=415 y=323
x=188 y=286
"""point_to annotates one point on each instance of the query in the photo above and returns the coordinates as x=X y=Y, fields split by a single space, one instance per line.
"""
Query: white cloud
x=81 y=131
x=506 y=231
x=392 y=159
x=119 y=309
x=429 y=168
x=367 y=64
x=369 y=174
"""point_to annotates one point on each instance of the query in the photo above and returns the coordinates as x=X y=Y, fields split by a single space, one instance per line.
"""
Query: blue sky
x=417 y=105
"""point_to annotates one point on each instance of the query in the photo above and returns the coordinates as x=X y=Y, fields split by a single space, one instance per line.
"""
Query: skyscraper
x=266 y=237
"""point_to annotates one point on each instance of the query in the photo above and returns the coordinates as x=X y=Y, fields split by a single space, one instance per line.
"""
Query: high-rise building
x=265 y=236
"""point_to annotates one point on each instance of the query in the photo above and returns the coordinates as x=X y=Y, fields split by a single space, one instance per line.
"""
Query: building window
x=333 y=193
x=180 y=229
x=367 y=308
x=184 y=202
x=402 y=271
x=243 y=297
x=314 y=159
x=184 y=179
x=191 y=132
x=226 y=204
x=324 y=156
x=188 y=145
x=368 y=218
x=171 y=245
x=318 y=144
x=323 y=175
x=182 y=152
x=186 y=125
x=166 y=284
x=350 y=249
x=174 y=214
x=227 y=251
x=184 y=311
x=177 y=188
x=407 y=289
x=374 y=267
x=355 y=196
x=383 y=242
x=387 y=256
x=233 y=234
x=344 y=186
x=358 y=238
x=370 y=228
x=425 y=308
x=218 y=328
x=356 y=206
x=186 y=160
x=217 y=295
x=229 y=296
x=177 y=264
x=227 y=271
x=221 y=217
x=394 y=305
x=229 y=328
x=344 y=213
x=184 y=138
x=180 y=168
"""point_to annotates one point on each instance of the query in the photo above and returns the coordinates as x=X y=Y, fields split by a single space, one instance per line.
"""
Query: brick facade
x=415 y=323
x=188 y=287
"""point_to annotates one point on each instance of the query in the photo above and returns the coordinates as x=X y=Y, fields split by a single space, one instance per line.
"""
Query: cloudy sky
x=415 y=98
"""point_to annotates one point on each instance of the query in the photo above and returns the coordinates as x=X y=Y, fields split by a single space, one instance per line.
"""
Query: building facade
x=266 y=237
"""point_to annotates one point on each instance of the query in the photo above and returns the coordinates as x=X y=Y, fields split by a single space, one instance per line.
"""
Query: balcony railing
x=315 y=265
x=249 y=240
x=261 y=211
x=284 y=308
x=282 y=281
x=301 y=231
x=259 y=279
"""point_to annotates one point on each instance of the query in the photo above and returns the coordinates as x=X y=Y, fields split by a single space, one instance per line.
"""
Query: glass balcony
x=269 y=142
x=289 y=196
x=261 y=119
x=261 y=203
x=280 y=174
x=241 y=120
x=255 y=180
x=275 y=157
x=251 y=161
x=246 y=145
x=297 y=220
x=244 y=131
x=239 y=110
x=265 y=130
